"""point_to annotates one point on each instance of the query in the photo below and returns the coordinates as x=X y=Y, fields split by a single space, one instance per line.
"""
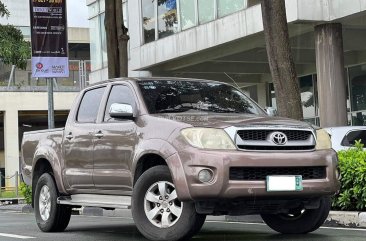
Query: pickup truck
x=175 y=150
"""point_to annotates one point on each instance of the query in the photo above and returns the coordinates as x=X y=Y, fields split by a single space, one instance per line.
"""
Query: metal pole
x=16 y=184
x=1 y=183
x=51 y=119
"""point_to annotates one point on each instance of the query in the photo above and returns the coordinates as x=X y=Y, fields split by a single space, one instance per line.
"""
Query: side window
x=119 y=94
x=89 y=106
x=353 y=136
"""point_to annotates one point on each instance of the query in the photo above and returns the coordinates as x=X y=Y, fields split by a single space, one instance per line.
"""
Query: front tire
x=300 y=221
x=158 y=213
x=50 y=216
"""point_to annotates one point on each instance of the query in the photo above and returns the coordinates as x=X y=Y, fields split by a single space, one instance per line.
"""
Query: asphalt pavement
x=20 y=226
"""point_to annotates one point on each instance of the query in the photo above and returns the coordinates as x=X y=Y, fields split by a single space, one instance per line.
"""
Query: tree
x=280 y=59
x=3 y=10
x=13 y=49
x=117 y=39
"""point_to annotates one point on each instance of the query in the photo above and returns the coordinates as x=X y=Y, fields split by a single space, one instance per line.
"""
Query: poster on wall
x=49 y=39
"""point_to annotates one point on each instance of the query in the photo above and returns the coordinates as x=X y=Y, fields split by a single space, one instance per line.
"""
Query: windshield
x=172 y=96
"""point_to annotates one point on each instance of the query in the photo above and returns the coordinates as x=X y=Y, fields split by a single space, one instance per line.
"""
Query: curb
x=346 y=219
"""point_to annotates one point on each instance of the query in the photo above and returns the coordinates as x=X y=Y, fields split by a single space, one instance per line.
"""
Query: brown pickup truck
x=175 y=150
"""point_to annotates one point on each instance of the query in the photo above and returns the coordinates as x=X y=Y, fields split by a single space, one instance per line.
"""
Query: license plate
x=284 y=183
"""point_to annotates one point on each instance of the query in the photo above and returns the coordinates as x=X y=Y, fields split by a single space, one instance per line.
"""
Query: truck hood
x=218 y=120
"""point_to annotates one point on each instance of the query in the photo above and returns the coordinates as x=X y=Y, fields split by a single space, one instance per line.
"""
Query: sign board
x=49 y=39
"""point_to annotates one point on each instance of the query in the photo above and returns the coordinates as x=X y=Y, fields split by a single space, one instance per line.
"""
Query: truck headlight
x=208 y=138
x=323 y=140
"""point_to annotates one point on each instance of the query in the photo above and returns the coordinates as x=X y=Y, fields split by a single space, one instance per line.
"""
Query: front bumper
x=185 y=166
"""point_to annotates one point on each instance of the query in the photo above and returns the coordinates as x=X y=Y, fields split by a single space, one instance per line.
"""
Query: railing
x=16 y=80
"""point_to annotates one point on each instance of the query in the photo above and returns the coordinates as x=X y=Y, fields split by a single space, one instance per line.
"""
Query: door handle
x=69 y=136
x=99 y=134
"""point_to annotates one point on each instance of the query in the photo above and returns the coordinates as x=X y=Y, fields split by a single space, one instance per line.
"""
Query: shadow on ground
x=130 y=232
x=230 y=235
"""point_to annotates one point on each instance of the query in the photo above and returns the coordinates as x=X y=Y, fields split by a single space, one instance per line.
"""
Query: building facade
x=23 y=99
x=223 y=40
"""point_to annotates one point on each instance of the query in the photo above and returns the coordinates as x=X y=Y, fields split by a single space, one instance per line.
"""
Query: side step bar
x=95 y=200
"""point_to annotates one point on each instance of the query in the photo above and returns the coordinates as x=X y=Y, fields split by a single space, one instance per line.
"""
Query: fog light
x=205 y=175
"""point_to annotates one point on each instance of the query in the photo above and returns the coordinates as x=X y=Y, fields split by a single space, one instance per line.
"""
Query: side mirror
x=121 y=111
x=271 y=111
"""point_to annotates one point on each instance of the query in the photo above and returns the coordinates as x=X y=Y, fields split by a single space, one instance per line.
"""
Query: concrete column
x=331 y=75
x=11 y=133
x=262 y=94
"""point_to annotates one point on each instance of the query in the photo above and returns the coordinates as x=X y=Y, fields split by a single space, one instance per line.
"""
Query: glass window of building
x=357 y=82
x=103 y=41
x=188 y=13
x=226 y=7
x=125 y=13
x=272 y=96
x=102 y=5
x=95 y=43
x=93 y=9
x=167 y=18
x=148 y=18
x=206 y=11
x=307 y=96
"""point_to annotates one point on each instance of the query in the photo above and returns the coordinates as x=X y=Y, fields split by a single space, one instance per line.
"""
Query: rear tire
x=154 y=195
x=301 y=221
x=50 y=216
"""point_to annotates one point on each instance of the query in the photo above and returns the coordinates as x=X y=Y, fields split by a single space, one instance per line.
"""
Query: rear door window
x=353 y=136
x=89 y=106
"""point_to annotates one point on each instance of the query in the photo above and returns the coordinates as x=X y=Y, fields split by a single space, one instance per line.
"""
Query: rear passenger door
x=115 y=145
x=78 y=142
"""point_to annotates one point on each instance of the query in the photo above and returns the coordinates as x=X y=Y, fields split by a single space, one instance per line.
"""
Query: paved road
x=84 y=228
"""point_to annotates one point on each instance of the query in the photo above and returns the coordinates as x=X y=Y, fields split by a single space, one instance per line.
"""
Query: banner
x=49 y=39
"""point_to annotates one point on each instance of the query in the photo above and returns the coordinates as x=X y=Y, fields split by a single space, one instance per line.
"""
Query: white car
x=344 y=137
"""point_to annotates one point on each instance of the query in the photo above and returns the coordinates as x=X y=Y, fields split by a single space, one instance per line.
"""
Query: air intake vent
x=260 y=173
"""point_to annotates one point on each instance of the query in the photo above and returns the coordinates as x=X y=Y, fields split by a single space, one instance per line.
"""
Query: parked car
x=175 y=150
x=345 y=137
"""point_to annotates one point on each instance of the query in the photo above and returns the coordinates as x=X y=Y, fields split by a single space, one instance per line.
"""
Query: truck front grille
x=263 y=139
x=262 y=135
x=276 y=148
x=261 y=173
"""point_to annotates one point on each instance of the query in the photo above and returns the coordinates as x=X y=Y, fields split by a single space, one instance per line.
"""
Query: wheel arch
x=42 y=165
x=145 y=162
x=173 y=162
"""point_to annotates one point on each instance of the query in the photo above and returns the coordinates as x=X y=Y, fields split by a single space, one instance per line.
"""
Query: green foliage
x=13 y=49
x=352 y=165
x=26 y=192
x=3 y=10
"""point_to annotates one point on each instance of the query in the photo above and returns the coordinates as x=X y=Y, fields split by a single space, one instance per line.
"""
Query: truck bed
x=34 y=140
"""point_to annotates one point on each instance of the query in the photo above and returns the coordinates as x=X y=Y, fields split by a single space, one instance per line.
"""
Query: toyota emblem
x=278 y=138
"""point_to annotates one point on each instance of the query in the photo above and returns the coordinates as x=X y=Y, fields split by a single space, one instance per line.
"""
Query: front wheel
x=50 y=216
x=299 y=221
x=158 y=213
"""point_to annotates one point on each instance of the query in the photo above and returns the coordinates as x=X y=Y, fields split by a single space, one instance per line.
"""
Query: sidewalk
x=335 y=218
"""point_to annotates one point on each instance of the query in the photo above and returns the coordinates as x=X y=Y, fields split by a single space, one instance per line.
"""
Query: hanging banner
x=49 y=39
